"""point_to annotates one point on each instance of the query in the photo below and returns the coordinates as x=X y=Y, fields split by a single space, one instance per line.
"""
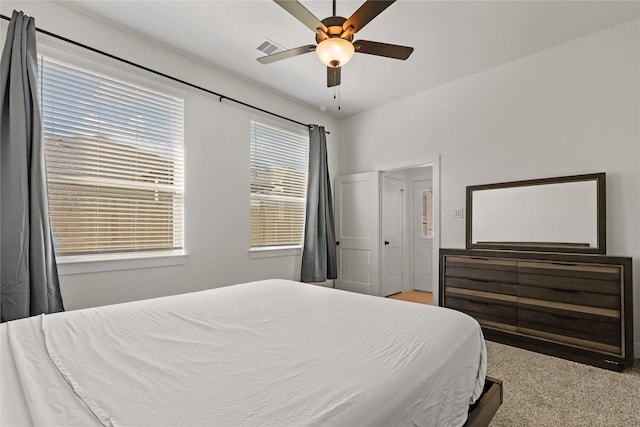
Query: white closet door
x=392 y=236
x=358 y=232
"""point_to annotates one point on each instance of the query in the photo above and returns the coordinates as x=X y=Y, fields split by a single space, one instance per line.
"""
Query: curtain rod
x=175 y=79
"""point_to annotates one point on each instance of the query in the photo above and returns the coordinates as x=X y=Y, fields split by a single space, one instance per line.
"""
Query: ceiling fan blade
x=365 y=14
x=333 y=76
x=286 y=54
x=383 y=49
x=301 y=14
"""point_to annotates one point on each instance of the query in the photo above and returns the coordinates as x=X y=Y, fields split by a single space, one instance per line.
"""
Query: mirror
x=563 y=214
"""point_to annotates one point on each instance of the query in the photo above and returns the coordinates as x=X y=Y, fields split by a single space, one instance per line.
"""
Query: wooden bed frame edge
x=481 y=413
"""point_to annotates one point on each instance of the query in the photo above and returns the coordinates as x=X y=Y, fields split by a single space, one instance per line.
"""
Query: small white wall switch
x=457 y=213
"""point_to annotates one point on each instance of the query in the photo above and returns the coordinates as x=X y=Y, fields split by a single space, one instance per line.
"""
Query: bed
x=266 y=353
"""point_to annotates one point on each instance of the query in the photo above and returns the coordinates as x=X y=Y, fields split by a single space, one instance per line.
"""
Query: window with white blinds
x=279 y=158
x=114 y=157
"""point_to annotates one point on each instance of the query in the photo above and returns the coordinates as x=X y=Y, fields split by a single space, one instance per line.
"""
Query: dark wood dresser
x=577 y=307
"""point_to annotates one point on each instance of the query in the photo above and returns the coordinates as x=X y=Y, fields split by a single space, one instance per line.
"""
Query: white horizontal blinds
x=114 y=154
x=279 y=159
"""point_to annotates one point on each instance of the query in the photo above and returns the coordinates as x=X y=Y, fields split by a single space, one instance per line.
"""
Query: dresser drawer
x=596 y=314
x=499 y=309
x=481 y=269
x=571 y=269
x=482 y=285
x=489 y=309
x=481 y=274
x=571 y=277
x=588 y=299
x=481 y=262
x=594 y=334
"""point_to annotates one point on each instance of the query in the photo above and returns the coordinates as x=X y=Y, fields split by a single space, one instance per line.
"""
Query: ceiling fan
x=334 y=36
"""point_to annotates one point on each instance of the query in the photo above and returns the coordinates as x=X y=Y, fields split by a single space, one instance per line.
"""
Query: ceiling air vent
x=269 y=47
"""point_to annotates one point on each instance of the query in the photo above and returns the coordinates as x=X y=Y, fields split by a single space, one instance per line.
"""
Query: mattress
x=267 y=353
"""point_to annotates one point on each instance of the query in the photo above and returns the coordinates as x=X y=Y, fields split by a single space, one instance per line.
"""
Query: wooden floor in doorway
x=414 y=296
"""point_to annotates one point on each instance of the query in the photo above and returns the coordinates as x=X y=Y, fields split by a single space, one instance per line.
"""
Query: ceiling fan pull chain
x=336 y=95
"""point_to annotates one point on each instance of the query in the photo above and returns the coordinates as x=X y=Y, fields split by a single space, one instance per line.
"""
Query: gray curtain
x=319 y=252
x=27 y=268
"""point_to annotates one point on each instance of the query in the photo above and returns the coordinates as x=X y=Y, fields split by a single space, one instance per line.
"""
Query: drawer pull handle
x=481 y=280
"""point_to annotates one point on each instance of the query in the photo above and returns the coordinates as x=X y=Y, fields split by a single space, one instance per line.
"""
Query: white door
x=357 y=232
x=422 y=235
x=392 y=224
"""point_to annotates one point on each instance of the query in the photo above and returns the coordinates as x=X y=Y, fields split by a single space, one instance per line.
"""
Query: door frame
x=434 y=162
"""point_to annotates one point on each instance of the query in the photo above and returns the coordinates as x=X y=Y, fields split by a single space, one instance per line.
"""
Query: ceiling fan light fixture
x=335 y=52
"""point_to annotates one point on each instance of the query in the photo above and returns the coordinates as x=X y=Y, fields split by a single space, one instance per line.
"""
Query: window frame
x=90 y=263
x=426 y=200
x=268 y=251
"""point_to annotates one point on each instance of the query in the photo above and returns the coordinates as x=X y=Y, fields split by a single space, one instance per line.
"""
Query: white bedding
x=268 y=353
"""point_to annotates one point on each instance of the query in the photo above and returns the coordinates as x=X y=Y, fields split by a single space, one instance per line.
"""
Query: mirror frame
x=599 y=178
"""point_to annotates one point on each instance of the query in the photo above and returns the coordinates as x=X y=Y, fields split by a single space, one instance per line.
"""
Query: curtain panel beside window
x=28 y=266
x=319 y=252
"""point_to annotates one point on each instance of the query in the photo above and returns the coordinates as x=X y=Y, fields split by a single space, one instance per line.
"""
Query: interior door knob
x=386 y=242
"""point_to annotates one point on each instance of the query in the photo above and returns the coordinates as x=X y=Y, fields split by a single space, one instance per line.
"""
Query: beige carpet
x=541 y=390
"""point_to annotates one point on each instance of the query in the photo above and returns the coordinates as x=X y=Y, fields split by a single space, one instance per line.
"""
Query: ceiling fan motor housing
x=335 y=28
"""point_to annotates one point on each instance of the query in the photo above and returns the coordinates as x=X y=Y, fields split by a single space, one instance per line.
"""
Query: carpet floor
x=543 y=391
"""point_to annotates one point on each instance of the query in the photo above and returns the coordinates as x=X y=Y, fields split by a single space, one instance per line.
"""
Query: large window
x=114 y=154
x=278 y=184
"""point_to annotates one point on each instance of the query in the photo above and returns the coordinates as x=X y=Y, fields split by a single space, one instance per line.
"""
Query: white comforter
x=269 y=353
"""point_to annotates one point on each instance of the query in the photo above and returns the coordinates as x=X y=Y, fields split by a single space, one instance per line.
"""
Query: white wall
x=216 y=166
x=568 y=110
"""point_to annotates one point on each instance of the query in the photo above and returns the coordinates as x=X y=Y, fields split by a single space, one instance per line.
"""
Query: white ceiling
x=452 y=39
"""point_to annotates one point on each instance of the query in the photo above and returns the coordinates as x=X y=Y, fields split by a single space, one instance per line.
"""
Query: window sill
x=81 y=264
x=274 y=251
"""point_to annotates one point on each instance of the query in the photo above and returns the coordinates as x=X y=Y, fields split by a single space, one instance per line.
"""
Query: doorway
x=365 y=223
x=407 y=231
